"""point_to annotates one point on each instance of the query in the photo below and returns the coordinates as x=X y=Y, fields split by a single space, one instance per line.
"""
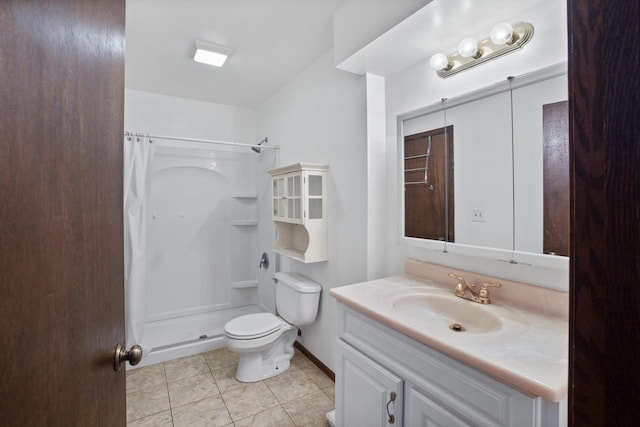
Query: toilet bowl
x=265 y=341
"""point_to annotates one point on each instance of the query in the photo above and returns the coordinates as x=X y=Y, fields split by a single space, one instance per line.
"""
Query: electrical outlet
x=477 y=215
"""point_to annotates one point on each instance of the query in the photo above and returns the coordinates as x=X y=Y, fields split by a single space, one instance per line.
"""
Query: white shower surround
x=201 y=245
x=181 y=306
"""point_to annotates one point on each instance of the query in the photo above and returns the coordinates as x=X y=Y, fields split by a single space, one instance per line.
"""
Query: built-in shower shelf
x=244 y=196
x=243 y=284
x=244 y=222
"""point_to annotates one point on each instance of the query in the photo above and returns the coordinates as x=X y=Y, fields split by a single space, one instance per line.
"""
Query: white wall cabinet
x=299 y=211
x=431 y=388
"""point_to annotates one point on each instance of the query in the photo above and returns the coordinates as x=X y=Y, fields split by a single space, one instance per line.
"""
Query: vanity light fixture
x=210 y=53
x=468 y=48
x=504 y=39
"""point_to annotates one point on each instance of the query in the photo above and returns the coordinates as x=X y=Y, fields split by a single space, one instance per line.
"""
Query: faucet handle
x=455 y=276
x=461 y=286
x=492 y=285
x=483 y=295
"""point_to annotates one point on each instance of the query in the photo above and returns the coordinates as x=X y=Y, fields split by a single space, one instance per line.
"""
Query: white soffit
x=440 y=25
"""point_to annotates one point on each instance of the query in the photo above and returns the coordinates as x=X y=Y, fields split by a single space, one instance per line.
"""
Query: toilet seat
x=252 y=326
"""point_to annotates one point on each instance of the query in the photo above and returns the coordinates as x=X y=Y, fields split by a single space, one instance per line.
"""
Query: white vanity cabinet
x=299 y=211
x=431 y=389
x=377 y=392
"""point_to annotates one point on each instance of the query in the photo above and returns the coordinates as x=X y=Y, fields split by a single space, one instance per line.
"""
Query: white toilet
x=265 y=341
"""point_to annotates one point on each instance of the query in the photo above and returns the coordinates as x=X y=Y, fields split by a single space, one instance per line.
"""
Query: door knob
x=120 y=355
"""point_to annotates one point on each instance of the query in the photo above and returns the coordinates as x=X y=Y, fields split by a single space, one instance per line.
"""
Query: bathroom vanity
x=399 y=364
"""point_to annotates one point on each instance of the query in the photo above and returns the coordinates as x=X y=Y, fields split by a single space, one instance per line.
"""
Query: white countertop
x=528 y=351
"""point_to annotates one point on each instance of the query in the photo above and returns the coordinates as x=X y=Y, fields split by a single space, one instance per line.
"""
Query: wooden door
x=556 y=186
x=604 y=135
x=61 y=251
x=428 y=185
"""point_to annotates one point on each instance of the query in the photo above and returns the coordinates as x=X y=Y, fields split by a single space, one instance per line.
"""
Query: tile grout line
x=164 y=370
x=300 y=366
x=225 y=403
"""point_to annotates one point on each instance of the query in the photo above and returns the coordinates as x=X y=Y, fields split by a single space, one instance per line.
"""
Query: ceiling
x=272 y=41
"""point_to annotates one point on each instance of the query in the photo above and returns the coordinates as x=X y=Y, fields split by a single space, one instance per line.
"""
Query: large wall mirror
x=490 y=168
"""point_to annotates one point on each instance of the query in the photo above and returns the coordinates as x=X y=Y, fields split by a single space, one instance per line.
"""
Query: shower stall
x=192 y=231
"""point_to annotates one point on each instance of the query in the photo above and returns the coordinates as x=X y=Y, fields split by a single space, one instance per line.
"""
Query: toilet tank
x=297 y=298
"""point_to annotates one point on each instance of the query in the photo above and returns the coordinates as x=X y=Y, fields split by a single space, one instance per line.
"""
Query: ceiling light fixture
x=210 y=53
x=504 y=38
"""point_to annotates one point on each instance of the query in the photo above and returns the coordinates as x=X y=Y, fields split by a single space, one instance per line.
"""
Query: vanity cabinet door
x=422 y=411
x=367 y=394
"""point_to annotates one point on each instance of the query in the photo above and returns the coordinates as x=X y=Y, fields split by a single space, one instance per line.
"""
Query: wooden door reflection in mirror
x=556 y=178
x=428 y=185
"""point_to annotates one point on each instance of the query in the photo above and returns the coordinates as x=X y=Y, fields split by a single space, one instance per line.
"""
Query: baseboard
x=324 y=368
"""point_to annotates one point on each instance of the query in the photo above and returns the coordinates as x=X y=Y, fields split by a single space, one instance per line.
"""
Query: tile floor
x=201 y=390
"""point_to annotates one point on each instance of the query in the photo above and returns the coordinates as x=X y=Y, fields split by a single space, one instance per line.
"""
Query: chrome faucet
x=481 y=296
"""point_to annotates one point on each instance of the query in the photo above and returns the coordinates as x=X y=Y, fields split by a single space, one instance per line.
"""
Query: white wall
x=152 y=113
x=418 y=86
x=377 y=200
x=373 y=18
x=320 y=117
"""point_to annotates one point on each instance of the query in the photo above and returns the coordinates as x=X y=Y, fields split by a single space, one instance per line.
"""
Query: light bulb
x=502 y=33
x=468 y=48
x=439 y=62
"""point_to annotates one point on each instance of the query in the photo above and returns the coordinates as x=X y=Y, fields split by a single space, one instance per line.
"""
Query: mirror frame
x=508 y=255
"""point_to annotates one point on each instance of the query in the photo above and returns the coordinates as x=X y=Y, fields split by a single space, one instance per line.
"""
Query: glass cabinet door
x=294 y=197
x=297 y=197
x=275 y=196
x=315 y=197
x=290 y=213
x=278 y=197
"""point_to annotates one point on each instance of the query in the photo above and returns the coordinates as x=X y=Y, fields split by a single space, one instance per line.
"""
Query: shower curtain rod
x=206 y=141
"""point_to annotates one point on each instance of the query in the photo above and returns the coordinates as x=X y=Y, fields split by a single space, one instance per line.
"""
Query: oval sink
x=445 y=310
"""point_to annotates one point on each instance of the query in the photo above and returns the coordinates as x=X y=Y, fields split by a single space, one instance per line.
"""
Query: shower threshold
x=177 y=337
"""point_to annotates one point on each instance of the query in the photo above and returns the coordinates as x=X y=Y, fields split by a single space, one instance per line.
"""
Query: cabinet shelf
x=244 y=222
x=244 y=284
x=244 y=196
x=296 y=254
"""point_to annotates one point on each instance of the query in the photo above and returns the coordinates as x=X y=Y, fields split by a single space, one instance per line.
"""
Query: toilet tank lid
x=298 y=282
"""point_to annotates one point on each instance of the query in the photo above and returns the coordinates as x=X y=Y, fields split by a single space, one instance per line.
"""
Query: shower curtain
x=138 y=153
